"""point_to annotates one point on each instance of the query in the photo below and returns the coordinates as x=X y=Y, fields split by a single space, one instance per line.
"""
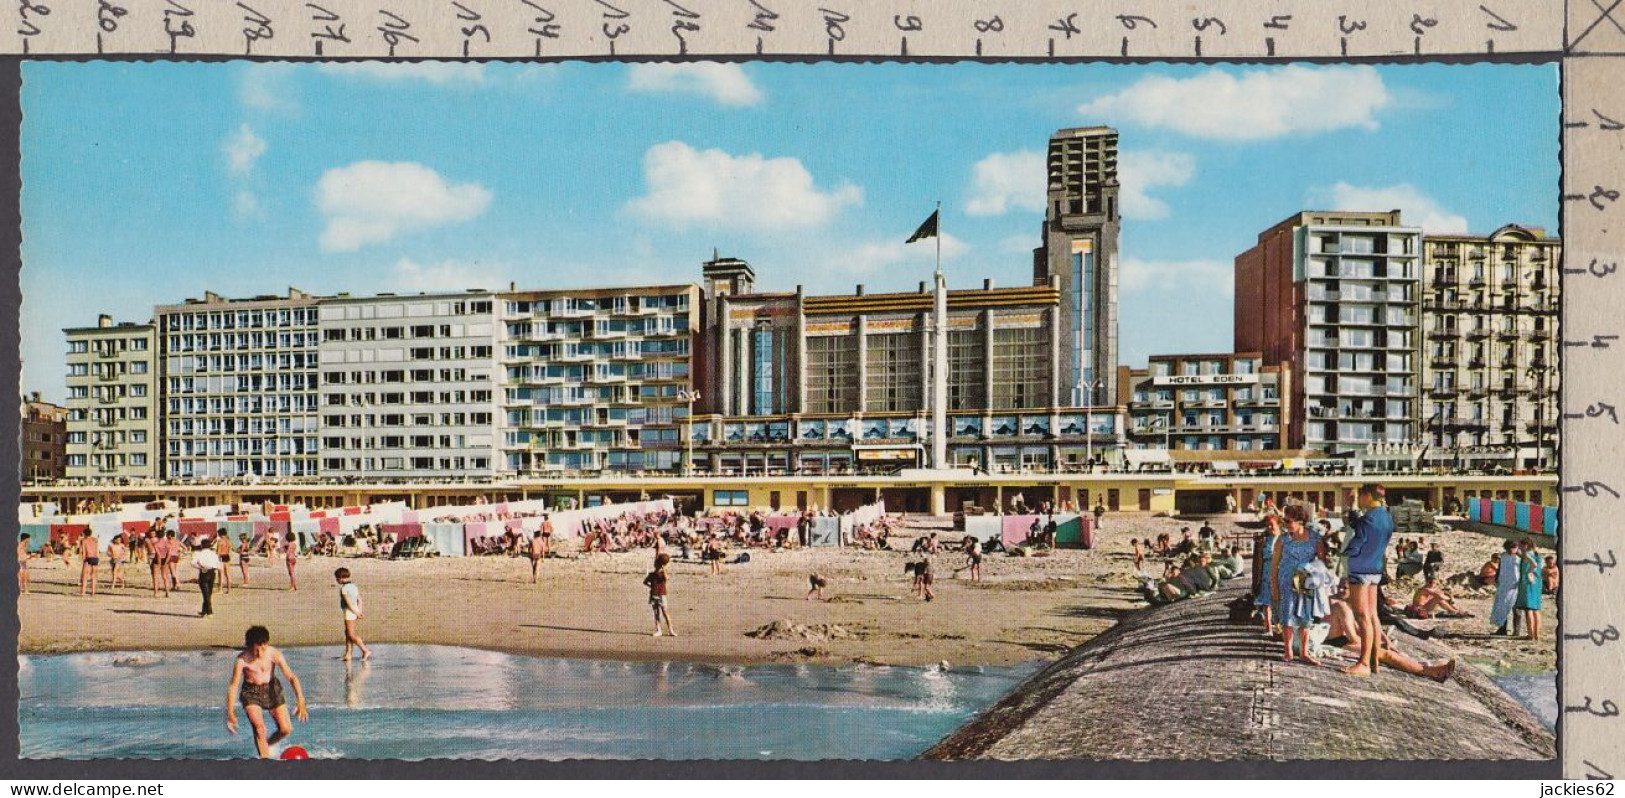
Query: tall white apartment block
x=407 y=386
x=112 y=401
x=240 y=387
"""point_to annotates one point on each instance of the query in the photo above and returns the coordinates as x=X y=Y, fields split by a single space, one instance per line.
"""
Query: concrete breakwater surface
x=1182 y=682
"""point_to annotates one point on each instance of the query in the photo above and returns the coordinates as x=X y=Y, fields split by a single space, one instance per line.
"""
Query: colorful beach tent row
x=1522 y=516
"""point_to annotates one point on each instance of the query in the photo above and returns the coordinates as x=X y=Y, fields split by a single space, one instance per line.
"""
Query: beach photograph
x=788 y=411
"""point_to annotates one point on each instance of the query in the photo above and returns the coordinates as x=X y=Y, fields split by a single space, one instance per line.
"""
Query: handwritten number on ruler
x=329 y=31
x=1598 y=637
x=908 y=24
x=177 y=13
x=765 y=17
x=613 y=27
x=1067 y=26
x=394 y=30
x=466 y=14
x=1597 y=410
x=682 y=22
x=1596 y=559
x=26 y=27
x=1598 y=197
x=1607 y=709
x=1500 y=23
x=1596 y=268
x=834 y=26
x=256 y=26
x=990 y=25
x=1591 y=488
x=542 y=25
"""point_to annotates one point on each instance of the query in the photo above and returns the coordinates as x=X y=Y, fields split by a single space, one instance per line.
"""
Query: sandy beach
x=595 y=606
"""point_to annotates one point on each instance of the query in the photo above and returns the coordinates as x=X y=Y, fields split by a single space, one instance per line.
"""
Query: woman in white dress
x=1506 y=588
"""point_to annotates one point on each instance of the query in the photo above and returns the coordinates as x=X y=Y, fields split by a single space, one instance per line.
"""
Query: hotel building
x=1335 y=295
x=112 y=401
x=1489 y=311
x=1213 y=402
x=408 y=385
x=240 y=387
x=592 y=379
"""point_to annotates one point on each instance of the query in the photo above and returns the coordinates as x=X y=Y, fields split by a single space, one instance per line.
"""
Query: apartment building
x=593 y=379
x=1336 y=296
x=241 y=387
x=112 y=386
x=408 y=386
x=1489 y=311
x=44 y=438
x=1228 y=401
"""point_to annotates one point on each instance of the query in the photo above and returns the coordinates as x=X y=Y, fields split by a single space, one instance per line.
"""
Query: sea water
x=1537 y=691
x=423 y=702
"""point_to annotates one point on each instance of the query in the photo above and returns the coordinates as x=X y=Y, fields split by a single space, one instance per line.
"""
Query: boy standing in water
x=350 y=603
x=656 y=582
x=254 y=683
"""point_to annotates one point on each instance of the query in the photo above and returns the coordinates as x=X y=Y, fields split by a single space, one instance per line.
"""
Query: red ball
x=295 y=752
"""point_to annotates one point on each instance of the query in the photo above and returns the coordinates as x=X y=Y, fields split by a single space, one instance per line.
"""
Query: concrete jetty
x=1182 y=682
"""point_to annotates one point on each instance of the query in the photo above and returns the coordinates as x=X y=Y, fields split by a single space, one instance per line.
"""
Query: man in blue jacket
x=1367 y=551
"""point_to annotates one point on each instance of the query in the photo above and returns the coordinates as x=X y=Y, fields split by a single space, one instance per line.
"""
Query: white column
x=939 y=377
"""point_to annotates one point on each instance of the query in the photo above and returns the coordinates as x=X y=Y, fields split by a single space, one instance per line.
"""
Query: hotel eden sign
x=1208 y=379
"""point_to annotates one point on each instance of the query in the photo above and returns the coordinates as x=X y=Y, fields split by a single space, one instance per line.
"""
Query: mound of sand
x=782 y=629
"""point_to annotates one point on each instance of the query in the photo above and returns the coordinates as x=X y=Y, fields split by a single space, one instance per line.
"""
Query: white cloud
x=1006 y=181
x=1023 y=244
x=1178 y=276
x=440 y=73
x=687 y=187
x=1419 y=209
x=725 y=84
x=268 y=87
x=1140 y=171
x=244 y=203
x=1258 y=104
x=409 y=276
x=370 y=202
x=875 y=255
x=243 y=150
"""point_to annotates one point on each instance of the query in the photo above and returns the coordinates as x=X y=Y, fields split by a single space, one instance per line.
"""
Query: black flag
x=928 y=229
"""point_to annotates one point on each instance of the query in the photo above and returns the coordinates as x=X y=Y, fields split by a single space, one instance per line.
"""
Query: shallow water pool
x=422 y=702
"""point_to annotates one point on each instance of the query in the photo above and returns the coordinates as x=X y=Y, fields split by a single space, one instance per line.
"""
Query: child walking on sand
x=23 y=556
x=818 y=583
x=656 y=582
x=254 y=683
x=350 y=604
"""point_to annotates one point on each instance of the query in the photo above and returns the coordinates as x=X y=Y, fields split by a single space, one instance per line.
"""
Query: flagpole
x=939 y=377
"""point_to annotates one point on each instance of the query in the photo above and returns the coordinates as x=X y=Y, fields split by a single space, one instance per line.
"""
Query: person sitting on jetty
x=1230 y=564
x=1432 y=600
x=1345 y=634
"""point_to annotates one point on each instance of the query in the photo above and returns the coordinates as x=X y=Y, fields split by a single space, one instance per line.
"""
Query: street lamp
x=690 y=397
x=1087 y=388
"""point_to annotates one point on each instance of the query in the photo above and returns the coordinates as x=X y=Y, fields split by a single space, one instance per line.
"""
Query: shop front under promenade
x=917 y=491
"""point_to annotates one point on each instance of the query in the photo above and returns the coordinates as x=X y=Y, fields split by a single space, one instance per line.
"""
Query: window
x=894 y=378
x=730 y=498
x=1020 y=368
x=832 y=374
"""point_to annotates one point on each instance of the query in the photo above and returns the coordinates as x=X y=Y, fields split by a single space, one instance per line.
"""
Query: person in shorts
x=817 y=584
x=656 y=582
x=23 y=556
x=1367 y=555
x=350 y=605
x=90 y=560
x=254 y=684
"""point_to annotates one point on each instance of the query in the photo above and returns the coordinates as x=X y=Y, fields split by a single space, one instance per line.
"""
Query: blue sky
x=149 y=183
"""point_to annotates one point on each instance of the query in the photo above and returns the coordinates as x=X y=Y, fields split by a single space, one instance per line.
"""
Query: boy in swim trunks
x=23 y=556
x=656 y=582
x=88 y=554
x=254 y=683
x=538 y=550
x=222 y=549
x=350 y=604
